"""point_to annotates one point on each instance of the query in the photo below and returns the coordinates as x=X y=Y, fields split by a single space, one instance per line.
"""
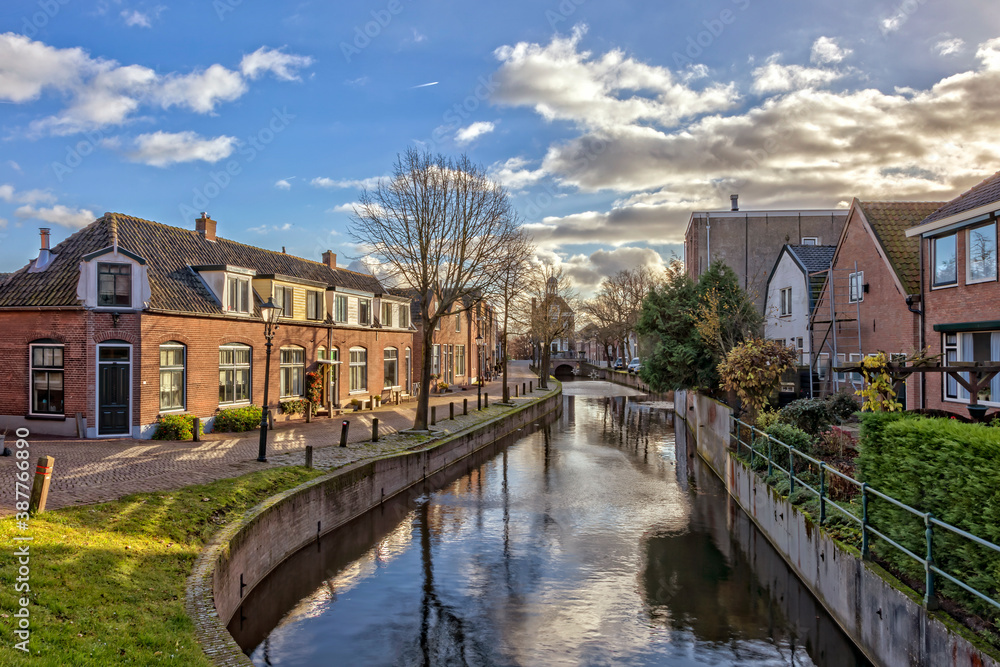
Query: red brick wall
x=886 y=323
x=963 y=303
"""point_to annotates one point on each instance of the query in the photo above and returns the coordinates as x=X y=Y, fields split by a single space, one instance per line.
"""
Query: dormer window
x=114 y=285
x=239 y=294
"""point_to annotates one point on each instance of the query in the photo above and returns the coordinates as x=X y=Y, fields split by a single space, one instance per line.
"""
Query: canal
x=593 y=539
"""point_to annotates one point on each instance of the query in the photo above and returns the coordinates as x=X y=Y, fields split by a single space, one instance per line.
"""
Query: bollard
x=309 y=412
x=434 y=415
x=451 y=410
x=375 y=429
x=515 y=391
x=344 y=427
x=486 y=400
x=523 y=386
x=270 y=420
x=309 y=456
x=465 y=406
x=196 y=436
x=531 y=387
x=479 y=402
x=40 y=487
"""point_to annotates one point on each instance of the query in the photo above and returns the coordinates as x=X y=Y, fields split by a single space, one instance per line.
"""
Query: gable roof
x=170 y=252
x=889 y=220
x=813 y=258
x=986 y=192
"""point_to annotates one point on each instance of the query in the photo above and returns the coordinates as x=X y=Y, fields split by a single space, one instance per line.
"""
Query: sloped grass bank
x=108 y=581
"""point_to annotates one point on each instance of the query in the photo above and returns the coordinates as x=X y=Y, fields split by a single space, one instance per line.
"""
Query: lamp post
x=479 y=345
x=269 y=313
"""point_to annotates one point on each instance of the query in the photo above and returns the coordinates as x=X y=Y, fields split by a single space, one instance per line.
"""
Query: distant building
x=749 y=241
x=960 y=292
x=793 y=288
x=553 y=315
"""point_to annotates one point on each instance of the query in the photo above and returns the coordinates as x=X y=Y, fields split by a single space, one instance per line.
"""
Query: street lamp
x=479 y=345
x=269 y=313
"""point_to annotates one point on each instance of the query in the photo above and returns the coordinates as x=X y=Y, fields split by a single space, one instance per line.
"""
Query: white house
x=792 y=293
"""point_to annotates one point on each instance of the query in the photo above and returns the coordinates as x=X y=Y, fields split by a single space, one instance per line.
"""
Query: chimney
x=206 y=227
x=330 y=259
x=44 y=255
x=735 y=199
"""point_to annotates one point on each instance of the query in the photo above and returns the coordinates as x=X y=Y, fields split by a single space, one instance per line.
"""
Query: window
x=47 y=379
x=172 y=376
x=283 y=300
x=234 y=373
x=340 y=309
x=982 y=254
x=404 y=316
x=823 y=365
x=114 y=285
x=943 y=256
x=786 y=301
x=436 y=360
x=810 y=240
x=386 y=314
x=973 y=346
x=408 y=370
x=239 y=294
x=314 y=305
x=459 y=360
x=857 y=282
x=293 y=371
x=359 y=369
x=391 y=367
x=364 y=311
x=458 y=322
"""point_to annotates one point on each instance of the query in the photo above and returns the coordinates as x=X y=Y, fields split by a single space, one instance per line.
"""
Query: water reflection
x=595 y=539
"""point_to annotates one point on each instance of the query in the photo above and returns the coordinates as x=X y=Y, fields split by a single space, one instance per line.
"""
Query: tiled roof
x=814 y=257
x=986 y=192
x=890 y=220
x=169 y=252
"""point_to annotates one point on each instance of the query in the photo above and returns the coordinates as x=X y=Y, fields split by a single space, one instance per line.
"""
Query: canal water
x=594 y=539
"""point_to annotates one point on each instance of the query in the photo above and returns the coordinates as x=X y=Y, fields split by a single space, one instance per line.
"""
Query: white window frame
x=364 y=373
x=459 y=361
x=809 y=240
x=234 y=367
x=933 y=253
x=785 y=299
x=404 y=316
x=284 y=391
x=314 y=298
x=363 y=305
x=390 y=354
x=241 y=308
x=48 y=369
x=969 y=280
x=856 y=283
x=174 y=345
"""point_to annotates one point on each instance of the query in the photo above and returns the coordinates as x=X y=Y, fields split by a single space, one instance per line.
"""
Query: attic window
x=114 y=285
x=810 y=240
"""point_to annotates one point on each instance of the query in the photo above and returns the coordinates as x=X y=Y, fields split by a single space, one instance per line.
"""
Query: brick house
x=869 y=299
x=128 y=319
x=725 y=235
x=960 y=292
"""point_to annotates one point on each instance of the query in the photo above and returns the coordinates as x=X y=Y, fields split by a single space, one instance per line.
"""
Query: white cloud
x=283 y=184
x=515 y=174
x=949 y=47
x=265 y=229
x=561 y=82
x=343 y=208
x=58 y=215
x=332 y=184
x=774 y=77
x=472 y=132
x=161 y=149
x=12 y=196
x=201 y=91
x=283 y=65
x=825 y=50
x=893 y=23
x=13 y=165
x=28 y=67
x=135 y=18
x=989 y=53
x=587 y=271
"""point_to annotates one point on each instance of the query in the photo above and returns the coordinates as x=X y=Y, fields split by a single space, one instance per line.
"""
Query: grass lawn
x=107 y=581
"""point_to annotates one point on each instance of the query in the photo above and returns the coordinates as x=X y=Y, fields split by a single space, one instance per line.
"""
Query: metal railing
x=791 y=455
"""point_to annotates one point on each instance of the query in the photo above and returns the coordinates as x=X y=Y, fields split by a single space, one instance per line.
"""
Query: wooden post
x=309 y=456
x=465 y=406
x=434 y=415
x=40 y=487
x=375 y=429
x=486 y=400
x=196 y=435
x=451 y=410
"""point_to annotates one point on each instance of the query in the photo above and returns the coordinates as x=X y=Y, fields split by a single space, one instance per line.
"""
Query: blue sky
x=609 y=122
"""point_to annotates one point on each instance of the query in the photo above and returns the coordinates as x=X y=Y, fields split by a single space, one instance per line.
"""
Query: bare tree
x=510 y=284
x=619 y=302
x=440 y=227
x=549 y=311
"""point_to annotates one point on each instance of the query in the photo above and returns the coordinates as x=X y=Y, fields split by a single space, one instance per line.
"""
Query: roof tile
x=890 y=220
x=984 y=193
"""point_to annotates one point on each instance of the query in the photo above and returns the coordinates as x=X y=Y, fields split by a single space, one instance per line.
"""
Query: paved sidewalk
x=92 y=471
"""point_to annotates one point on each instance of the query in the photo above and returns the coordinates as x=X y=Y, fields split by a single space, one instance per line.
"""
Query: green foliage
x=835 y=442
x=766 y=417
x=791 y=436
x=878 y=389
x=950 y=469
x=680 y=357
x=753 y=370
x=811 y=415
x=237 y=420
x=295 y=406
x=314 y=388
x=842 y=405
x=175 y=427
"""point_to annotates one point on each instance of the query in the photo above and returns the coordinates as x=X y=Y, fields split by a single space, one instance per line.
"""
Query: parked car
x=634 y=365
x=619 y=364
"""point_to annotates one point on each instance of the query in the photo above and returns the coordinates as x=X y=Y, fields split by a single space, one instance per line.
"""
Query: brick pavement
x=92 y=471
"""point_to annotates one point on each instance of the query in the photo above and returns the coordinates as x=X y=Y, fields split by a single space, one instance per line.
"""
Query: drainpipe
x=920 y=319
x=708 y=228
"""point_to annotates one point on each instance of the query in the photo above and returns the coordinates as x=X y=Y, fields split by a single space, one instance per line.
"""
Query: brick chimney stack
x=205 y=226
x=330 y=259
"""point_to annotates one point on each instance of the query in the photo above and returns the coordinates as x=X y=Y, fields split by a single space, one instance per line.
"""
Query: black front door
x=113 y=391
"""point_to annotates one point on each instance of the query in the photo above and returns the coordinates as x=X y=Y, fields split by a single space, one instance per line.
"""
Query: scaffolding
x=836 y=326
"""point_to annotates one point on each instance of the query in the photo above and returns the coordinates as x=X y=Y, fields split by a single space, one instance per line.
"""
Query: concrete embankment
x=245 y=552
x=881 y=615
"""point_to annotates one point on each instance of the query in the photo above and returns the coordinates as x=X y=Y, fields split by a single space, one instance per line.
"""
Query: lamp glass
x=269 y=311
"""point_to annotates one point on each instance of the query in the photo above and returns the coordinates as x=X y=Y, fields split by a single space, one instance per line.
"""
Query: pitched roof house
x=793 y=288
x=129 y=319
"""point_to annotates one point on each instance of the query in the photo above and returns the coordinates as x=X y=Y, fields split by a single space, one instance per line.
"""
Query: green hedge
x=950 y=469
x=237 y=420
x=175 y=427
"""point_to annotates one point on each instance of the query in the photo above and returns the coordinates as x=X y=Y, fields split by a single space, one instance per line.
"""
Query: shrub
x=753 y=370
x=314 y=388
x=842 y=405
x=835 y=442
x=791 y=436
x=811 y=415
x=295 y=406
x=442 y=386
x=767 y=417
x=237 y=420
x=945 y=467
x=175 y=427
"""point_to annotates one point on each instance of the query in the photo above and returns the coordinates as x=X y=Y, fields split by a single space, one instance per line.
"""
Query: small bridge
x=564 y=367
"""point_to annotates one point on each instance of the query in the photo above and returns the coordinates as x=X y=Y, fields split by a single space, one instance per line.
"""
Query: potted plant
x=356 y=404
x=377 y=398
x=442 y=386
